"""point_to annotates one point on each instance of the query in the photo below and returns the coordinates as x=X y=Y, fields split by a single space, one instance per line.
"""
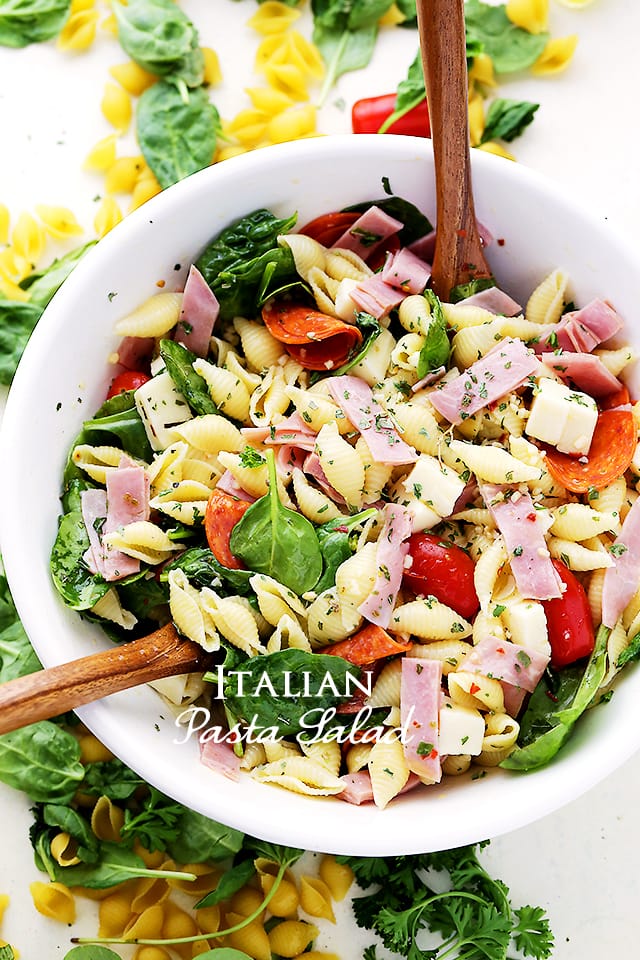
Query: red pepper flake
x=531 y=516
x=160 y=283
x=499 y=649
x=500 y=241
x=551 y=696
x=461 y=233
x=474 y=688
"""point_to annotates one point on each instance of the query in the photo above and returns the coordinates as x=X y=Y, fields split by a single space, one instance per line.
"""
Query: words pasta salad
x=406 y=530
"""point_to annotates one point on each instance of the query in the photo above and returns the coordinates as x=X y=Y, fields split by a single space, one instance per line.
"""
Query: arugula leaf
x=269 y=538
x=17 y=322
x=345 y=32
x=160 y=37
x=511 y=48
x=178 y=361
x=157 y=823
x=411 y=92
x=436 y=347
x=177 y=130
x=230 y=882
x=507 y=119
x=43 y=760
x=31 y=21
x=200 y=839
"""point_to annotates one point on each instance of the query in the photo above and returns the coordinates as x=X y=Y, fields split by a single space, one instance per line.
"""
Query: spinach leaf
x=200 y=839
x=17 y=656
x=345 y=32
x=116 y=864
x=511 y=48
x=436 y=347
x=230 y=882
x=507 y=119
x=43 y=760
x=45 y=283
x=159 y=36
x=222 y=953
x=144 y=597
x=178 y=361
x=17 y=322
x=112 y=779
x=411 y=92
x=73 y=580
x=555 y=691
x=290 y=684
x=156 y=824
x=334 y=538
x=31 y=21
x=416 y=225
x=242 y=289
x=72 y=495
x=371 y=330
x=463 y=290
x=246 y=239
x=282 y=543
x=177 y=132
x=91 y=951
x=70 y=821
x=631 y=652
x=202 y=569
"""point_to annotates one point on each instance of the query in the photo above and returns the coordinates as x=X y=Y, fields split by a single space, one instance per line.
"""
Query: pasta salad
x=406 y=530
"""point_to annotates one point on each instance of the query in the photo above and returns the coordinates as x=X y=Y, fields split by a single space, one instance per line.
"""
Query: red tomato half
x=444 y=571
x=569 y=621
x=368 y=115
x=129 y=380
x=329 y=227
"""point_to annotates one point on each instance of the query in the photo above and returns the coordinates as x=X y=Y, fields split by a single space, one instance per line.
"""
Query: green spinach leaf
x=17 y=322
x=112 y=779
x=416 y=225
x=436 y=347
x=156 y=824
x=507 y=119
x=334 y=538
x=73 y=580
x=91 y=951
x=31 y=21
x=246 y=239
x=511 y=48
x=43 y=760
x=463 y=290
x=178 y=361
x=17 y=656
x=291 y=684
x=202 y=569
x=279 y=542
x=371 y=330
x=200 y=839
x=177 y=132
x=411 y=92
x=116 y=864
x=70 y=821
x=43 y=284
x=230 y=882
x=159 y=36
x=144 y=597
x=555 y=691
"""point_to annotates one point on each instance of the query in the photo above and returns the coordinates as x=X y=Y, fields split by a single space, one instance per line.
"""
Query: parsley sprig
x=449 y=894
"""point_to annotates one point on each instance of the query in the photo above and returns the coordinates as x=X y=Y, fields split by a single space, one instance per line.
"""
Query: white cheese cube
x=562 y=417
x=436 y=485
x=161 y=407
x=527 y=624
x=373 y=367
x=461 y=730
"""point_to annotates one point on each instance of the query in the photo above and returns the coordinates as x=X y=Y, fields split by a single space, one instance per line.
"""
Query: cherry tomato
x=368 y=115
x=444 y=571
x=129 y=380
x=329 y=227
x=569 y=621
x=222 y=513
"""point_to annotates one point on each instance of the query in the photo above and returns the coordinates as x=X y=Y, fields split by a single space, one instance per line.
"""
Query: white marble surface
x=579 y=862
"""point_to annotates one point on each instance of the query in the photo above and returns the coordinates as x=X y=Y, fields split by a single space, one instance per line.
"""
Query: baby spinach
x=144 y=597
x=91 y=951
x=230 y=882
x=161 y=38
x=436 y=347
x=17 y=656
x=177 y=130
x=279 y=542
x=199 y=839
x=155 y=824
x=203 y=570
x=415 y=223
x=115 y=864
x=463 y=290
x=68 y=820
x=17 y=322
x=73 y=580
x=179 y=363
x=411 y=92
x=555 y=692
x=334 y=538
x=43 y=284
x=511 y=48
x=245 y=239
x=345 y=32
x=282 y=706
x=506 y=119
x=31 y=21
x=43 y=760
x=112 y=779
x=370 y=329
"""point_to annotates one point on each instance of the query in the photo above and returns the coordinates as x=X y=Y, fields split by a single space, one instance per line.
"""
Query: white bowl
x=63 y=377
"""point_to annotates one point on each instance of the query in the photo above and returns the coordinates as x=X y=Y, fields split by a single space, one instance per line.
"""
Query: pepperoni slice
x=222 y=513
x=610 y=454
x=316 y=340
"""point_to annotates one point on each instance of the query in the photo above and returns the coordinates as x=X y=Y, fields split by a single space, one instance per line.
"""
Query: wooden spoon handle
x=459 y=257
x=48 y=693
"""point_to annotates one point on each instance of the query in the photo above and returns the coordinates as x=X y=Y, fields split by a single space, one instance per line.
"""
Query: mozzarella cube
x=526 y=622
x=434 y=484
x=161 y=407
x=562 y=417
x=461 y=730
x=372 y=369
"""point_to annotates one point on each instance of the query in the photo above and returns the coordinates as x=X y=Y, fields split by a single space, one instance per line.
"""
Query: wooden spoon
x=51 y=692
x=459 y=257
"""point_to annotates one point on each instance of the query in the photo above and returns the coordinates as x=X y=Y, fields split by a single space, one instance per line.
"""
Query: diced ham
x=134 y=353
x=585 y=370
x=313 y=467
x=622 y=579
x=582 y=330
x=355 y=397
x=429 y=379
x=420 y=690
x=495 y=301
x=200 y=310
x=391 y=549
x=517 y=665
x=405 y=271
x=514 y=697
x=127 y=496
x=221 y=758
x=523 y=530
x=288 y=459
x=505 y=368
x=291 y=430
x=424 y=247
x=358 y=789
x=368 y=232
x=376 y=297
x=227 y=483
x=486 y=237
